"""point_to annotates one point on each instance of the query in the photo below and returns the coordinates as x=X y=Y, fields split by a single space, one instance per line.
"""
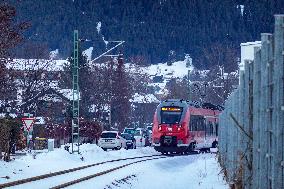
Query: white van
x=141 y=137
x=111 y=140
x=149 y=132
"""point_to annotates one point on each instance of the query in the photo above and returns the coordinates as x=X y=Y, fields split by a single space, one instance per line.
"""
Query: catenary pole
x=75 y=109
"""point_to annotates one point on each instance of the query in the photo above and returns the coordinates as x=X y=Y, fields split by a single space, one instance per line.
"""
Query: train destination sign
x=175 y=109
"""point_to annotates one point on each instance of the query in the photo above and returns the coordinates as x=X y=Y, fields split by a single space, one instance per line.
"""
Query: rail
x=48 y=175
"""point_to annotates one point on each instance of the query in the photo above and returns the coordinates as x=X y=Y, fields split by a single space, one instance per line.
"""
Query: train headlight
x=180 y=142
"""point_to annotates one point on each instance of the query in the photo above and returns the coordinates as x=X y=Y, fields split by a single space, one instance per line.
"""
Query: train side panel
x=204 y=131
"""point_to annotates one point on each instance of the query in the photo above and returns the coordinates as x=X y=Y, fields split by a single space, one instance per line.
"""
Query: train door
x=197 y=128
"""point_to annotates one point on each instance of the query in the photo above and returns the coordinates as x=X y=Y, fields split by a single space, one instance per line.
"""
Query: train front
x=170 y=128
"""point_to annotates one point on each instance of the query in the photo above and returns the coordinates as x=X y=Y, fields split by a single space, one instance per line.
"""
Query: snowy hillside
x=163 y=71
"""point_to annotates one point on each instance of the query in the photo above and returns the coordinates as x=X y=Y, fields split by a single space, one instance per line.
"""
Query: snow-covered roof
x=68 y=93
x=147 y=98
x=36 y=64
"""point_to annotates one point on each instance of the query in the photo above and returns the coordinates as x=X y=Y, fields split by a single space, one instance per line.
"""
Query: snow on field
x=60 y=159
x=199 y=171
x=177 y=69
x=193 y=171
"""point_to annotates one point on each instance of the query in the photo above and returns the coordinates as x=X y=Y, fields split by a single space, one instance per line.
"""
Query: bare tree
x=177 y=89
x=217 y=82
x=10 y=37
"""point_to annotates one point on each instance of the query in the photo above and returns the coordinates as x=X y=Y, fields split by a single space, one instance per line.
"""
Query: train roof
x=196 y=104
x=174 y=102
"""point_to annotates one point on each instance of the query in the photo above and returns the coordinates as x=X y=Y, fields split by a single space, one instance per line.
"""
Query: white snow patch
x=37 y=64
x=54 y=54
x=177 y=69
x=247 y=52
x=198 y=171
x=99 y=25
x=242 y=7
x=146 y=98
x=105 y=41
x=88 y=53
x=68 y=93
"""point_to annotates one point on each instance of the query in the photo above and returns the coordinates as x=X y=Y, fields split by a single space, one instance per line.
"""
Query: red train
x=182 y=126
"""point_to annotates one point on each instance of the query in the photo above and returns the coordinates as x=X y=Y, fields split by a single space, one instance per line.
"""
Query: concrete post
x=264 y=106
x=256 y=117
x=279 y=103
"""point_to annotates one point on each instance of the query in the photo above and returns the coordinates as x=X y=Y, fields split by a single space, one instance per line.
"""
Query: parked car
x=141 y=137
x=111 y=140
x=130 y=140
x=129 y=130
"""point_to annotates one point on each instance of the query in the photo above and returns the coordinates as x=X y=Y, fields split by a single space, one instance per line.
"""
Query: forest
x=154 y=30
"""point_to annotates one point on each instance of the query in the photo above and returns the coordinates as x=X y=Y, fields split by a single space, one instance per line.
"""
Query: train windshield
x=170 y=115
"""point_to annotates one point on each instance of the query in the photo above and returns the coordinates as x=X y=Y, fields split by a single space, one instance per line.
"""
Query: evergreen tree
x=120 y=105
x=151 y=29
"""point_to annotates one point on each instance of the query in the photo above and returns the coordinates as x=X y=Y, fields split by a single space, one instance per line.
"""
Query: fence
x=251 y=142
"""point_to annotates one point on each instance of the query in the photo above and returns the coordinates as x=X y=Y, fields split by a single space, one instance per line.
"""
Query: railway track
x=79 y=171
x=43 y=177
x=102 y=173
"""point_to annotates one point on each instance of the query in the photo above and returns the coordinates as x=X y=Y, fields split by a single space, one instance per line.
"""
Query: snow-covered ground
x=193 y=171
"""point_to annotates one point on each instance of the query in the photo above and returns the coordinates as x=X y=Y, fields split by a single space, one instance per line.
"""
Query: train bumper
x=178 y=148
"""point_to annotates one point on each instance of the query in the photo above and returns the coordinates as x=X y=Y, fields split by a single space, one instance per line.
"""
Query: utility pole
x=76 y=93
x=76 y=98
x=188 y=85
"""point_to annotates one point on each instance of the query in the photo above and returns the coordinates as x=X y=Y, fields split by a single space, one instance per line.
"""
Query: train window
x=216 y=129
x=170 y=115
x=209 y=128
x=197 y=123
